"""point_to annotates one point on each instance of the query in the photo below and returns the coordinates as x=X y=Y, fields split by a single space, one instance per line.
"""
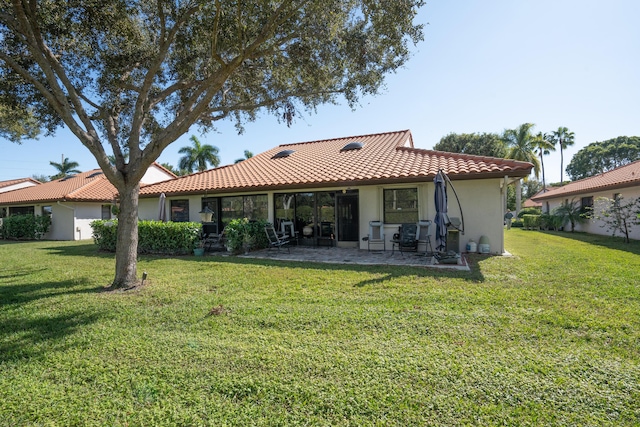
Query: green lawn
x=550 y=336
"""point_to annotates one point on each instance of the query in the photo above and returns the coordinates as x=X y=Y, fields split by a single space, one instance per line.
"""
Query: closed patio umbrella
x=441 y=219
x=162 y=214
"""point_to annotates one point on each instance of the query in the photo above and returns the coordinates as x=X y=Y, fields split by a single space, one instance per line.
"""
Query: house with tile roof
x=623 y=181
x=73 y=201
x=530 y=203
x=331 y=189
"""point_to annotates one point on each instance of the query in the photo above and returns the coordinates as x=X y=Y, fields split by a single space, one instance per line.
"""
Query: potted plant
x=199 y=248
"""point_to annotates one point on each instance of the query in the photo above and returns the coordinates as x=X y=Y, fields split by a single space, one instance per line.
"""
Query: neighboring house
x=15 y=184
x=620 y=182
x=332 y=189
x=530 y=203
x=73 y=202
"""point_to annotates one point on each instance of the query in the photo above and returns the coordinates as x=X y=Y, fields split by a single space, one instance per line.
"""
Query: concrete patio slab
x=333 y=255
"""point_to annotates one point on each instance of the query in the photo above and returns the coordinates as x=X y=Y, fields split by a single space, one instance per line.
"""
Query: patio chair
x=408 y=237
x=424 y=235
x=274 y=240
x=215 y=242
x=209 y=234
x=376 y=235
x=287 y=230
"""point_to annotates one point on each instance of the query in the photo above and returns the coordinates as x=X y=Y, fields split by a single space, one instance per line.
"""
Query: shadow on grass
x=386 y=272
x=616 y=243
x=86 y=249
x=25 y=293
x=27 y=333
x=22 y=338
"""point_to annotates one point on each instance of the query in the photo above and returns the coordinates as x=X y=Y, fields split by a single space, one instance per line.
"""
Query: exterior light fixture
x=206 y=214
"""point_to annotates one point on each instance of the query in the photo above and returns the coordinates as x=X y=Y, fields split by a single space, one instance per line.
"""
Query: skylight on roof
x=94 y=174
x=283 y=153
x=67 y=177
x=353 y=146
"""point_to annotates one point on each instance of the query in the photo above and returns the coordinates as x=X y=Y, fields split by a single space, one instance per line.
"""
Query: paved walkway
x=334 y=255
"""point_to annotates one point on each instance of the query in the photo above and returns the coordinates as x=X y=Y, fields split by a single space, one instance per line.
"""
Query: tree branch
x=141 y=106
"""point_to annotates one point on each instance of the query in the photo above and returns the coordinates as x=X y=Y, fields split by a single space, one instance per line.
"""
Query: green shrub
x=243 y=234
x=25 y=227
x=105 y=234
x=531 y=222
x=157 y=237
x=529 y=211
x=551 y=222
x=154 y=237
x=517 y=223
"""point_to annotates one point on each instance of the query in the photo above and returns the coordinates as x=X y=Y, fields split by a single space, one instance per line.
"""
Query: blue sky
x=484 y=66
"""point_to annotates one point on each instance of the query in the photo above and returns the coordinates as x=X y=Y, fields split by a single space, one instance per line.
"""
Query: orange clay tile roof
x=624 y=176
x=384 y=158
x=83 y=187
x=17 y=181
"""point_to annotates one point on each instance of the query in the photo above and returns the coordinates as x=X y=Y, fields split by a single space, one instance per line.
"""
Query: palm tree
x=563 y=138
x=247 y=155
x=570 y=211
x=544 y=145
x=65 y=168
x=521 y=146
x=198 y=156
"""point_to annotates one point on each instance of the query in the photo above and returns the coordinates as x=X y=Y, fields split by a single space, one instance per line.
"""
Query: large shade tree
x=481 y=144
x=602 y=156
x=137 y=74
x=198 y=156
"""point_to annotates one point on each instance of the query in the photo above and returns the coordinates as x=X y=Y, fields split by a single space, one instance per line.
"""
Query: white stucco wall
x=62 y=222
x=85 y=214
x=481 y=202
x=594 y=226
x=70 y=221
x=155 y=174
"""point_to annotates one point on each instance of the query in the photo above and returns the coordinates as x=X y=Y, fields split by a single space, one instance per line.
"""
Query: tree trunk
x=544 y=185
x=561 y=165
x=127 y=244
x=518 y=196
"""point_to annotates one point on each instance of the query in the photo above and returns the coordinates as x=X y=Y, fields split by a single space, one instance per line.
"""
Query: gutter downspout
x=74 y=217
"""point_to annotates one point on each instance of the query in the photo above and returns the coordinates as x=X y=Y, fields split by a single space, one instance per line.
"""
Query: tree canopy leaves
x=481 y=144
x=522 y=144
x=198 y=156
x=599 y=157
x=65 y=167
x=135 y=75
x=138 y=74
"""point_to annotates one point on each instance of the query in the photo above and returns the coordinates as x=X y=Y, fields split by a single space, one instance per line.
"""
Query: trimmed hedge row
x=154 y=237
x=531 y=222
x=24 y=227
x=543 y=221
